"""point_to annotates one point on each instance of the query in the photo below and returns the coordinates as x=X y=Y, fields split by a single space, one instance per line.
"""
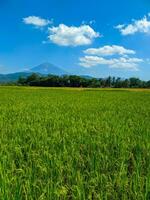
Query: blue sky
x=105 y=37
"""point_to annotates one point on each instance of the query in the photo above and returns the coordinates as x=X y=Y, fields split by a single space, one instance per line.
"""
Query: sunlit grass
x=58 y=143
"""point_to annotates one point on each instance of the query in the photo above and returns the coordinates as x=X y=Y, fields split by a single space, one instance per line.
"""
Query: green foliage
x=74 y=144
x=78 y=81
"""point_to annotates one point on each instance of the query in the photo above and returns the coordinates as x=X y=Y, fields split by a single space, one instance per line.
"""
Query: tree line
x=79 y=81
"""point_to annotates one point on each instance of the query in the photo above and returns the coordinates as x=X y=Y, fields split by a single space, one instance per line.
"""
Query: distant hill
x=4 y=78
x=87 y=76
x=43 y=69
x=47 y=68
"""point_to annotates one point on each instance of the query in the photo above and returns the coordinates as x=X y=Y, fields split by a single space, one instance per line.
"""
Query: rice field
x=76 y=144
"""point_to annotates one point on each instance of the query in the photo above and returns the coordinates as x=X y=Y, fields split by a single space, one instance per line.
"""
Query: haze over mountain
x=4 y=78
x=43 y=69
x=48 y=68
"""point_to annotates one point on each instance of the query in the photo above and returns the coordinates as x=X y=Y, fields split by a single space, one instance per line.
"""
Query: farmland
x=58 y=143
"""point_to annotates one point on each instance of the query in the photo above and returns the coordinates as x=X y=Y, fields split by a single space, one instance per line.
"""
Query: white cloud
x=120 y=59
x=109 y=51
x=119 y=63
x=37 y=21
x=90 y=61
x=141 y=26
x=72 y=36
x=91 y=22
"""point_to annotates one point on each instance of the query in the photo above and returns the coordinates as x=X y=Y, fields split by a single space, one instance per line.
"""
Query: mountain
x=47 y=68
x=44 y=69
x=4 y=78
x=86 y=76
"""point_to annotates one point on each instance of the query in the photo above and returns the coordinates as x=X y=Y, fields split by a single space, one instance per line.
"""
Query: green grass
x=74 y=144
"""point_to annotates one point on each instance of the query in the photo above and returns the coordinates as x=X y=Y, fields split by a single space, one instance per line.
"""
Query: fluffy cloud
x=142 y=26
x=109 y=51
x=119 y=63
x=72 y=36
x=36 y=21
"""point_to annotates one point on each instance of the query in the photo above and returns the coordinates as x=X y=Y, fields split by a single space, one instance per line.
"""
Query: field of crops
x=74 y=144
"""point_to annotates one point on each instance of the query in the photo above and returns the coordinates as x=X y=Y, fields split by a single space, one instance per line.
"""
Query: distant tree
x=78 y=81
x=126 y=83
x=108 y=81
x=94 y=83
x=135 y=82
x=113 y=80
x=118 y=83
x=147 y=84
x=65 y=81
x=21 y=80
x=32 y=77
x=75 y=81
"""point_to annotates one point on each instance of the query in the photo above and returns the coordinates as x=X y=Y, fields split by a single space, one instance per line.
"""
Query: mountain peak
x=48 y=68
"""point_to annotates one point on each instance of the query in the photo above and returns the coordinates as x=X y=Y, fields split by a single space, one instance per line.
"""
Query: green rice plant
x=58 y=143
